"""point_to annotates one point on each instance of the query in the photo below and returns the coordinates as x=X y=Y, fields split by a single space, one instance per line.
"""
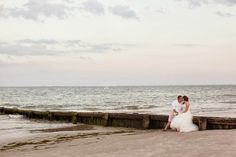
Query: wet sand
x=96 y=141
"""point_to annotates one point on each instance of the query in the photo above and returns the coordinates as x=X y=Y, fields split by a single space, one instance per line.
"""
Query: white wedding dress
x=183 y=122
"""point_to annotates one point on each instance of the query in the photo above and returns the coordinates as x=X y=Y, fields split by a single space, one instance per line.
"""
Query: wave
x=42 y=106
x=10 y=105
x=7 y=129
x=15 y=116
x=229 y=95
x=212 y=110
x=92 y=108
x=135 y=107
x=10 y=116
x=229 y=102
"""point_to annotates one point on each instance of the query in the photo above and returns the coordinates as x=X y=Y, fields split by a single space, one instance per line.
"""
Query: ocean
x=204 y=100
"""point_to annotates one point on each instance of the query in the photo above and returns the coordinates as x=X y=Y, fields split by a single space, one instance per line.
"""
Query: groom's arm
x=174 y=108
x=175 y=111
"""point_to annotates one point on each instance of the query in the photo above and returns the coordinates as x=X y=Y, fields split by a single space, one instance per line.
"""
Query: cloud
x=2 y=11
x=2 y=43
x=29 y=47
x=187 y=45
x=40 y=9
x=17 y=48
x=161 y=10
x=199 y=3
x=35 y=9
x=40 y=41
x=124 y=12
x=224 y=14
x=94 y=7
x=226 y=2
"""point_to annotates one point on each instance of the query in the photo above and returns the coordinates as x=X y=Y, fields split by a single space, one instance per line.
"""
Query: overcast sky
x=117 y=42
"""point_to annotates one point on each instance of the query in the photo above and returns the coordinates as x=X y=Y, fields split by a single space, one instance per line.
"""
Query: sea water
x=204 y=100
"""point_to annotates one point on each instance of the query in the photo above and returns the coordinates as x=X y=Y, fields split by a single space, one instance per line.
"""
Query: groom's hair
x=179 y=97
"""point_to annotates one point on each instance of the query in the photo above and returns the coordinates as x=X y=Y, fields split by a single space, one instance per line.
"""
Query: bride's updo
x=185 y=98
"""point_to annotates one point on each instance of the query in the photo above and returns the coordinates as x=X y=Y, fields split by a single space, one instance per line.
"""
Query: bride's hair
x=185 y=98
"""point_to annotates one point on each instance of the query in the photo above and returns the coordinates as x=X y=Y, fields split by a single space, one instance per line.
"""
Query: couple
x=180 y=117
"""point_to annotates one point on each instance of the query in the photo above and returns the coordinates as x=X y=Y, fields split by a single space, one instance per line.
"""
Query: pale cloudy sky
x=117 y=42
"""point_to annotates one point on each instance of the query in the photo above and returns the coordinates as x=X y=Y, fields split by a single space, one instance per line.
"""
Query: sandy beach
x=96 y=141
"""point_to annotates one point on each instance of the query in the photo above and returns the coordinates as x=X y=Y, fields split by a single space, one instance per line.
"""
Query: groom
x=176 y=109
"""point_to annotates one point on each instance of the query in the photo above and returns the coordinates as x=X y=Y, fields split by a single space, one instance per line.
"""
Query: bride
x=183 y=121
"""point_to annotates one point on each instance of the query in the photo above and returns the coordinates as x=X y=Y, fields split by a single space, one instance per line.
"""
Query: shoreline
x=106 y=142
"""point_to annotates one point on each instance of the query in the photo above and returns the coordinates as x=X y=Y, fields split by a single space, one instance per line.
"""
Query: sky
x=117 y=42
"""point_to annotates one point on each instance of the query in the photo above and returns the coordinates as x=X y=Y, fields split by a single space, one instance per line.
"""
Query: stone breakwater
x=129 y=120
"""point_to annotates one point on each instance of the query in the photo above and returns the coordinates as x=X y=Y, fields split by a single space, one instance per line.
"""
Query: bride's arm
x=186 y=107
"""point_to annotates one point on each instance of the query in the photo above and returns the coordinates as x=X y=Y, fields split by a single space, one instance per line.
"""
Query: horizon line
x=164 y=85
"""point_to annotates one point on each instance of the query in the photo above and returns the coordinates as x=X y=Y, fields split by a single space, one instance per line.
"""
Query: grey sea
x=217 y=101
x=205 y=100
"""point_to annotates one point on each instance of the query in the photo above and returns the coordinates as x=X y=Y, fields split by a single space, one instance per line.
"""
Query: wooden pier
x=139 y=121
